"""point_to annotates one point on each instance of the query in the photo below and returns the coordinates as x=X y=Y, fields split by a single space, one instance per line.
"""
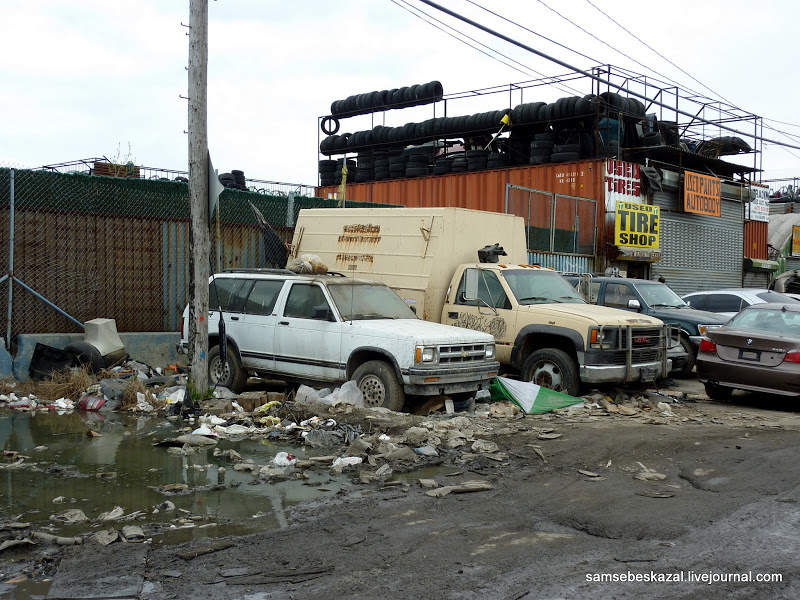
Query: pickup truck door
x=491 y=313
x=308 y=336
x=256 y=337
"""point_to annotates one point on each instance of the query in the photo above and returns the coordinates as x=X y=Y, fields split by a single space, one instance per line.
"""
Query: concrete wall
x=156 y=349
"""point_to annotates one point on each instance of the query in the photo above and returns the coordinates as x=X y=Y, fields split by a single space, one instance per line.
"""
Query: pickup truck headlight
x=489 y=351
x=602 y=338
x=425 y=354
x=703 y=329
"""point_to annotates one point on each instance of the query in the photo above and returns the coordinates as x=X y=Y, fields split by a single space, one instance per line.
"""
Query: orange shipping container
x=755 y=239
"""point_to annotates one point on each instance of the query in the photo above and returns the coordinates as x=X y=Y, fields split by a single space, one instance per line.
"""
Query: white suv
x=330 y=329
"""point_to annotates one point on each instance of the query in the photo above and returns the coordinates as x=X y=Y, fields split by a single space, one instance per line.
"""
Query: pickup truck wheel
x=688 y=347
x=230 y=375
x=379 y=384
x=552 y=368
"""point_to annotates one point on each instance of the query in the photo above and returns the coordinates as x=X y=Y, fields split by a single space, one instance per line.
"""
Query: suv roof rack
x=264 y=271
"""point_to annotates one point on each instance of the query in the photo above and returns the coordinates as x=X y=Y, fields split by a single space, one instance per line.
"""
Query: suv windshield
x=532 y=286
x=658 y=294
x=359 y=301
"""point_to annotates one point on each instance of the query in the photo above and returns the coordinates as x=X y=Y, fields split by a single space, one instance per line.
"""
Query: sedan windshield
x=359 y=301
x=658 y=294
x=533 y=286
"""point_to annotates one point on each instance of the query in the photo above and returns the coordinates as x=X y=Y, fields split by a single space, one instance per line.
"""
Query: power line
x=528 y=69
x=595 y=77
x=657 y=52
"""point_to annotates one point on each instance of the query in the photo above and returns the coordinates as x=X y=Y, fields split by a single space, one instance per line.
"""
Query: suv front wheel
x=379 y=385
x=228 y=374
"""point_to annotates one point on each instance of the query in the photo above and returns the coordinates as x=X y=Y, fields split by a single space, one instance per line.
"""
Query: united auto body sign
x=622 y=183
x=702 y=194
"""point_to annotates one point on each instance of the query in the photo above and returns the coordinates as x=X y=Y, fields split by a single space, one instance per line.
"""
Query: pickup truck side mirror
x=322 y=313
x=634 y=304
x=471 y=284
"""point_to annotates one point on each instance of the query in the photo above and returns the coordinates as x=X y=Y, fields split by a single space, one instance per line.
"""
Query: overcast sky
x=95 y=78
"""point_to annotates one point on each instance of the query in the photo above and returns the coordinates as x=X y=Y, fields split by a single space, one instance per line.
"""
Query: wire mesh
x=79 y=246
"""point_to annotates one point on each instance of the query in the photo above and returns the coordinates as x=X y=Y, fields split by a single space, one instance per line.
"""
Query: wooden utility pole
x=199 y=238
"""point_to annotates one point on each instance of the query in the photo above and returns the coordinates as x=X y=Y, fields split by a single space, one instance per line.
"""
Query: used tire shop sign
x=636 y=225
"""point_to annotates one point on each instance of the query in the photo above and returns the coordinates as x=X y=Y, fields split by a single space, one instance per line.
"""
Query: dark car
x=758 y=350
x=654 y=299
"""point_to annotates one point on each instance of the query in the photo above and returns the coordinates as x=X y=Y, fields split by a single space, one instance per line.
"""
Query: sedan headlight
x=425 y=354
x=704 y=329
x=489 y=351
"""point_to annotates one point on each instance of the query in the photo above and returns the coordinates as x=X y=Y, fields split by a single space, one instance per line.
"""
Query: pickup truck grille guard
x=639 y=345
x=462 y=353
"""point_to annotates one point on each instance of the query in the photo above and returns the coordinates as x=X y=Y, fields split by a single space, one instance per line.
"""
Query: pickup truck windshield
x=532 y=286
x=360 y=301
x=660 y=295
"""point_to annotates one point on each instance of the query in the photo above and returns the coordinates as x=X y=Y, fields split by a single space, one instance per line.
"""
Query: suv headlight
x=489 y=351
x=425 y=354
x=704 y=329
x=602 y=338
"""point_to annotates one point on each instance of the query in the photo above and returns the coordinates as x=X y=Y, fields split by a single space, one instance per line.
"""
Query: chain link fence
x=80 y=246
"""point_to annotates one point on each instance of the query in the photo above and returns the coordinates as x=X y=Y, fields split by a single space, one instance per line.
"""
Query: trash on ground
x=531 y=398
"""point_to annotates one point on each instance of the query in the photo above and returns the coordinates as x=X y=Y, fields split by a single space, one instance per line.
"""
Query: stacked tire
x=380 y=165
x=497 y=160
x=565 y=153
x=418 y=161
x=359 y=104
x=351 y=171
x=365 y=171
x=477 y=160
x=327 y=170
x=443 y=166
x=542 y=148
x=235 y=179
x=397 y=166
x=460 y=164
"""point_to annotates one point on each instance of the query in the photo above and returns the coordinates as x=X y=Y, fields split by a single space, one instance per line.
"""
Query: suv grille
x=462 y=354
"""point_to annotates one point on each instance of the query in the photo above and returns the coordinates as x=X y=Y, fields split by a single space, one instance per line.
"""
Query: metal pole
x=10 y=256
x=199 y=234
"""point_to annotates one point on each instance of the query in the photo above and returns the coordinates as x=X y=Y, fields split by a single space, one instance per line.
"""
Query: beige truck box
x=543 y=328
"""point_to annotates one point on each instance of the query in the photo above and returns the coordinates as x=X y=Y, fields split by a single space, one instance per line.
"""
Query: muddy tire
x=688 y=347
x=229 y=375
x=554 y=369
x=378 y=382
x=717 y=392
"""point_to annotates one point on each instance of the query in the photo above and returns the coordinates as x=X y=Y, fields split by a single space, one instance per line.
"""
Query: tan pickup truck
x=447 y=266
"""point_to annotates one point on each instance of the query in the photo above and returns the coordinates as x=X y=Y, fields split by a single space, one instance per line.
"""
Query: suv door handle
x=452 y=315
x=283 y=322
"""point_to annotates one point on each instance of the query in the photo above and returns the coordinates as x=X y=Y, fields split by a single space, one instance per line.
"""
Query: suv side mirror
x=634 y=304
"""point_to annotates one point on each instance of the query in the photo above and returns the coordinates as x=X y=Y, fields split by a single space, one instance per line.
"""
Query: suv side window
x=490 y=291
x=724 y=303
x=228 y=294
x=263 y=296
x=303 y=299
x=618 y=294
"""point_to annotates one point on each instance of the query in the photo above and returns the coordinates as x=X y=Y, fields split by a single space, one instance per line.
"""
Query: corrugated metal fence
x=76 y=247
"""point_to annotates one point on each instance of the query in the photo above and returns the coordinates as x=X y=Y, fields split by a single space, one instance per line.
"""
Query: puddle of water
x=122 y=467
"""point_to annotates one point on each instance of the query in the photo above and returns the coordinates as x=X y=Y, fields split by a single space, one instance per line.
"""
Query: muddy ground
x=572 y=504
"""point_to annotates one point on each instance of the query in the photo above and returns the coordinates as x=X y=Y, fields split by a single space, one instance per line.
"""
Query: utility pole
x=199 y=238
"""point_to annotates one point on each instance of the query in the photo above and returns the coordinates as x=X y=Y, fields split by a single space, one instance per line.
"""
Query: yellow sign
x=702 y=194
x=637 y=225
x=796 y=240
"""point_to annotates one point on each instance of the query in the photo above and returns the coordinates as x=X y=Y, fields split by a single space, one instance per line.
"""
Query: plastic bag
x=284 y=459
x=308 y=264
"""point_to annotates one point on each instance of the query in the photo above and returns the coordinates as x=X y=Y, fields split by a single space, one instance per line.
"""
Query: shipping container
x=755 y=239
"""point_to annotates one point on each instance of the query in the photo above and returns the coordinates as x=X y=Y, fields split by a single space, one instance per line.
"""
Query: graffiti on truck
x=494 y=325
